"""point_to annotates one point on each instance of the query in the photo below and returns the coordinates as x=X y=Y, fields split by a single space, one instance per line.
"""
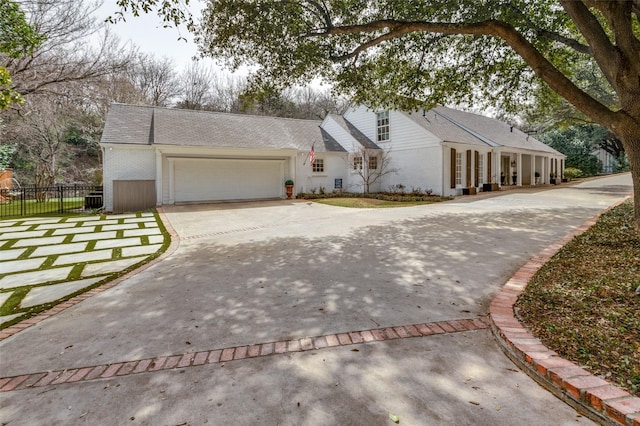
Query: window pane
x=373 y=163
x=318 y=165
x=382 y=125
x=458 y=168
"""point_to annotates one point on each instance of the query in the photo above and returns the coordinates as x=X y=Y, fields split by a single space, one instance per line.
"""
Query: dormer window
x=382 y=124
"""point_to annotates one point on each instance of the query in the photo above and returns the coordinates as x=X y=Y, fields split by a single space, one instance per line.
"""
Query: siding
x=126 y=163
x=334 y=168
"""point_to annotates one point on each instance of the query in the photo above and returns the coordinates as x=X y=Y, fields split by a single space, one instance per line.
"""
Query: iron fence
x=33 y=200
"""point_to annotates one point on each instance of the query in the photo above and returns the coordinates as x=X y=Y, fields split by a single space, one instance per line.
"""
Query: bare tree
x=66 y=62
x=371 y=165
x=225 y=93
x=196 y=86
x=156 y=79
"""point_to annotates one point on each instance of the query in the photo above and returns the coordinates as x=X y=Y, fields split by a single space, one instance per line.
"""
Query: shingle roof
x=452 y=125
x=126 y=124
x=354 y=132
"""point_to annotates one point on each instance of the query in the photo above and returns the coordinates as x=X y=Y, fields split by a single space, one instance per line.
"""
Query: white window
x=382 y=124
x=318 y=166
x=357 y=163
x=480 y=169
x=373 y=163
x=458 y=168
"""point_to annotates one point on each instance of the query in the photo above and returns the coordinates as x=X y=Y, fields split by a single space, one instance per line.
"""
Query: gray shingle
x=128 y=124
x=177 y=127
x=354 y=132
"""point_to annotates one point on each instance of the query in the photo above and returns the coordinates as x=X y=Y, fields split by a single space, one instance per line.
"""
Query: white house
x=154 y=156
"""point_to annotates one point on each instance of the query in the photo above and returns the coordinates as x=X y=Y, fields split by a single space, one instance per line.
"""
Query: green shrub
x=572 y=173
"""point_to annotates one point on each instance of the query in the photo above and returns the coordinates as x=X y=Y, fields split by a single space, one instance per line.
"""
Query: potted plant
x=514 y=178
x=537 y=176
x=288 y=184
x=502 y=178
x=552 y=178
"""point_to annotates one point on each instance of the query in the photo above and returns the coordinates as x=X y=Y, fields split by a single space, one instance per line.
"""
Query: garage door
x=222 y=179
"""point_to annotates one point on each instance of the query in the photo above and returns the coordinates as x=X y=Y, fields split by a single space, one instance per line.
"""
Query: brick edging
x=594 y=397
x=236 y=353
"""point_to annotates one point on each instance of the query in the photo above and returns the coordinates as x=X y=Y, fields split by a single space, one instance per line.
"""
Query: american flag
x=312 y=156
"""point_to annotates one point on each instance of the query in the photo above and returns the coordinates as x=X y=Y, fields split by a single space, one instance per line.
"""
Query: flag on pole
x=312 y=156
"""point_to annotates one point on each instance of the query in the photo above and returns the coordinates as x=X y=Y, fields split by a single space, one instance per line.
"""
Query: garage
x=199 y=179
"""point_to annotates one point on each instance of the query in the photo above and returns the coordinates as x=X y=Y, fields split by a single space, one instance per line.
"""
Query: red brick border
x=216 y=356
x=590 y=395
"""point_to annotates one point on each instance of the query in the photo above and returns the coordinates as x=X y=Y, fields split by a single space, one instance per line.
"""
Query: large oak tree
x=415 y=53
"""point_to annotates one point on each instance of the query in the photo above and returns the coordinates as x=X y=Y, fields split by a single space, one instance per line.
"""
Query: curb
x=591 y=396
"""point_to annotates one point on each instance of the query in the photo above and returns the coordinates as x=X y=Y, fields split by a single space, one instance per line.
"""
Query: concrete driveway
x=299 y=313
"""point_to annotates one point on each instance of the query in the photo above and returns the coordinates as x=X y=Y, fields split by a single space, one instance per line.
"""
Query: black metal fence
x=33 y=200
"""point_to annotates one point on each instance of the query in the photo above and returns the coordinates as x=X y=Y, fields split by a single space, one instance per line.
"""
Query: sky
x=146 y=31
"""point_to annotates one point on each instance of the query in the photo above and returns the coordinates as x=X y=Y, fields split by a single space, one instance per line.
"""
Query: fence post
x=61 y=197
x=23 y=201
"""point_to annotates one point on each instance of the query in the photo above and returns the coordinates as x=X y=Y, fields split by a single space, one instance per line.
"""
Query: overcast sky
x=146 y=32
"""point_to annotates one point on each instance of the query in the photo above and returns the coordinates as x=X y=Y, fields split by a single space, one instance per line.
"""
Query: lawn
x=583 y=305
x=368 y=202
x=32 y=207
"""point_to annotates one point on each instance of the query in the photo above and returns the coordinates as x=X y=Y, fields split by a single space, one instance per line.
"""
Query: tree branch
x=542 y=67
x=604 y=52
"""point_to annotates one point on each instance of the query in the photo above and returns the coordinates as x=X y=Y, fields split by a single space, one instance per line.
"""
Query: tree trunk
x=632 y=147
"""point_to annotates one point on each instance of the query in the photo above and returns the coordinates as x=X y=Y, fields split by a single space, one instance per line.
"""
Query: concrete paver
x=35 y=277
x=95 y=236
x=45 y=294
x=37 y=242
x=15 y=263
x=12 y=266
x=110 y=266
x=122 y=242
x=83 y=257
x=11 y=254
x=59 y=249
x=261 y=273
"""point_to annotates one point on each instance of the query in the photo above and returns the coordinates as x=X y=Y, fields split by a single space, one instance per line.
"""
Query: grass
x=363 y=203
x=18 y=208
x=12 y=304
x=582 y=304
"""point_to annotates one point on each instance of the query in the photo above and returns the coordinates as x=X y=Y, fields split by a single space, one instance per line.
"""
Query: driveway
x=300 y=313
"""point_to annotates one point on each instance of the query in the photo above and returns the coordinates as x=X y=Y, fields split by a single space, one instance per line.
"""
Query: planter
x=514 y=179
x=552 y=181
x=488 y=187
x=469 y=191
x=289 y=189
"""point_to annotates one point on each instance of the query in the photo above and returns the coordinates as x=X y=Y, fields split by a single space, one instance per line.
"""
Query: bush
x=572 y=173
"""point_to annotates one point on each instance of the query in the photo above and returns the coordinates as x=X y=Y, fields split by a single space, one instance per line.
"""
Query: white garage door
x=222 y=179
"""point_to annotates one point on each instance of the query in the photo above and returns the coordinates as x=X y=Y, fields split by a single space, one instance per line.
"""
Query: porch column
x=498 y=167
x=158 y=178
x=532 y=170
x=519 y=169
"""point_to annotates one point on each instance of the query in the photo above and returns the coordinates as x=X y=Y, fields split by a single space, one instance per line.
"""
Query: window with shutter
x=452 y=168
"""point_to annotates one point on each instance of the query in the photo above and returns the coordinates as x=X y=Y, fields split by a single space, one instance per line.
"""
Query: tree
x=195 y=86
x=578 y=143
x=371 y=165
x=156 y=79
x=66 y=63
x=17 y=38
x=410 y=53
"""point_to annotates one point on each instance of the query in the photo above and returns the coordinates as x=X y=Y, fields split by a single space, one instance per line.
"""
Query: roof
x=145 y=125
x=354 y=132
x=451 y=125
